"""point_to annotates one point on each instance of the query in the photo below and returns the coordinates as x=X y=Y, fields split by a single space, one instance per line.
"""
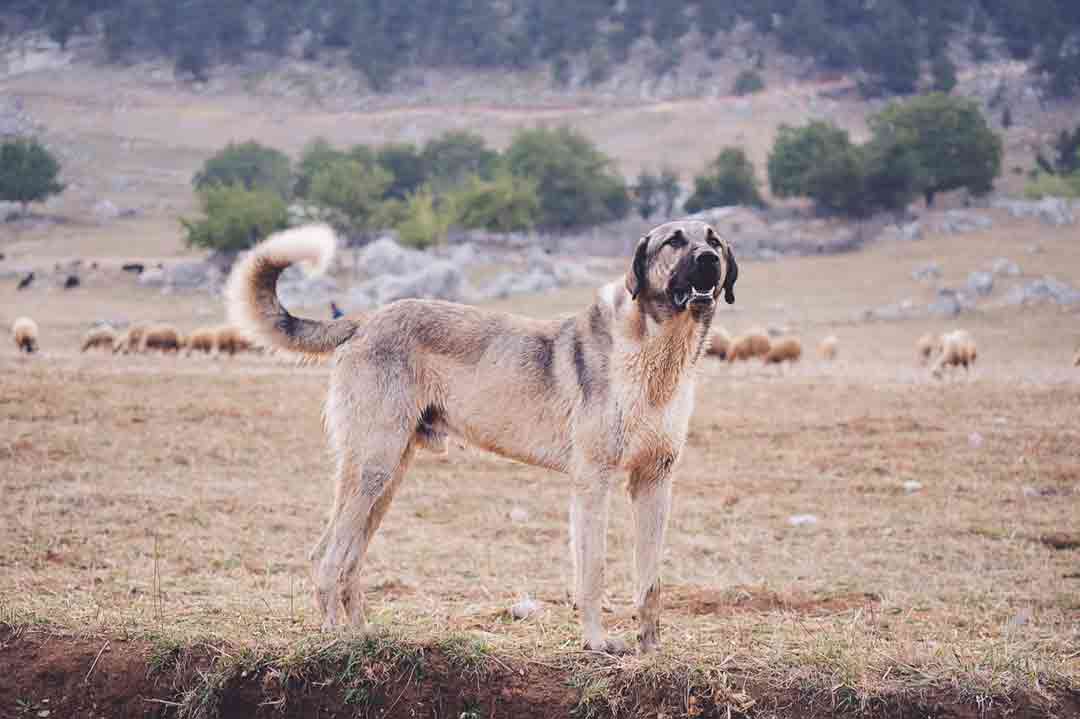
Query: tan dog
x=609 y=389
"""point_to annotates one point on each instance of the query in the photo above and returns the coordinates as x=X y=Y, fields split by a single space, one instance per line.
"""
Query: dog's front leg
x=650 y=493
x=589 y=515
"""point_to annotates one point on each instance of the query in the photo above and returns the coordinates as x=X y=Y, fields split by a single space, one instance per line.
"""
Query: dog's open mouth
x=693 y=296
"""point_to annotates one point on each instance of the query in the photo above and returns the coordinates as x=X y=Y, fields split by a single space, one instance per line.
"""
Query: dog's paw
x=608 y=645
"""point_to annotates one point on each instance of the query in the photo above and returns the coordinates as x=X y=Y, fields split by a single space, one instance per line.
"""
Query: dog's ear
x=637 y=279
x=730 y=275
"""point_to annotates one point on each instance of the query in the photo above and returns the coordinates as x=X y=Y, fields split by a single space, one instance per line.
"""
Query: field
x=157 y=514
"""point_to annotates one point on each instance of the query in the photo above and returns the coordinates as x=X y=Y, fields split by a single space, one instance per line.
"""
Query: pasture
x=157 y=513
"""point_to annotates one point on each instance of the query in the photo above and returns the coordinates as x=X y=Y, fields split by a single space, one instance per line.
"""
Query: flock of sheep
x=142 y=338
x=952 y=349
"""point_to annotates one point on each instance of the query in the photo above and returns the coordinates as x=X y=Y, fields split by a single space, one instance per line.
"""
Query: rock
x=153 y=277
x=1045 y=289
x=895 y=311
x=930 y=271
x=524 y=608
x=385 y=257
x=519 y=515
x=975 y=440
x=105 y=210
x=1003 y=267
x=911 y=486
x=958 y=221
x=1053 y=211
x=908 y=232
x=981 y=283
x=439 y=280
x=802 y=520
x=534 y=281
x=947 y=304
x=193 y=275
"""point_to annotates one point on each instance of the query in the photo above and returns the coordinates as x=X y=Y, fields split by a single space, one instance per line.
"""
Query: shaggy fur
x=756 y=343
x=957 y=350
x=719 y=343
x=926 y=346
x=203 y=339
x=164 y=338
x=25 y=333
x=610 y=389
x=787 y=349
x=99 y=337
x=232 y=340
x=828 y=348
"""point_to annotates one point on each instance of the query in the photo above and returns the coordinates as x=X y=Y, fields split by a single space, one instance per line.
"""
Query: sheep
x=788 y=349
x=926 y=346
x=753 y=344
x=719 y=343
x=1076 y=358
x=957 y=350
x=25 y=332
x=827 y=348
x=203 y=339
x=165 y=338
x=231 y=340
x=130 y=341
x=103 y=337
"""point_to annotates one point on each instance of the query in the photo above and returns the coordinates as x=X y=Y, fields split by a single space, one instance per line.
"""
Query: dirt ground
x=157 y=513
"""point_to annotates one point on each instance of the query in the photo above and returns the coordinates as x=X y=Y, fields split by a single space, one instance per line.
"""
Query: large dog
x=609 y=389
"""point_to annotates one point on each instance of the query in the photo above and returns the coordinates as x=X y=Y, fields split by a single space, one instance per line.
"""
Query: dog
x=610 y=389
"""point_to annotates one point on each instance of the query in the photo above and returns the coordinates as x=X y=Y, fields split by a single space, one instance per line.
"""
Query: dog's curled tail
x=251 y=293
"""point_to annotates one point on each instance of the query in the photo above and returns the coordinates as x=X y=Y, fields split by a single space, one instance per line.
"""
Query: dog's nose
x=708 y=259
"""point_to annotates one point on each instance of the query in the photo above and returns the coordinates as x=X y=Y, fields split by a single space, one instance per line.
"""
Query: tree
x=425 y=223
x=950 y=140
x=890 y=173
x=889 y=50
x=748 y=82
x=351 y=188
x=728 y=180
x=503 y=204
x=669 y=189
x=454 y=156
x=316 y=155
x=574 y=179
x=236 y=218
x=250 y=165
x=28 y=172
x=647 y=194
x=405 y=165
x=798 y=151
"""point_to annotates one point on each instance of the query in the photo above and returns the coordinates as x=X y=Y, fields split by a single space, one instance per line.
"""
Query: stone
x=931 y=271
x=981 y=283
x=1004 y=267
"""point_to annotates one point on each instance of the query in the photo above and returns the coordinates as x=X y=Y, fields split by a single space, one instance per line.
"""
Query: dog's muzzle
x=703 y=281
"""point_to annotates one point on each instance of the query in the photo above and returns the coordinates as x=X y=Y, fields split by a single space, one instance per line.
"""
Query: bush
x=315 y=156
x=453 y=157
x=353 y=189
x=951 y=141
x=669 y=189
x=729 y=180
x=406 y=167
x=646 y=194
x=1045 y=185
x=748 y=82
x=944 y=72
x=425 y=223
x=797 y=152
x=250 y=165
x=574 y=179
x=503 y=204
x=28 y=172
x=236 y=218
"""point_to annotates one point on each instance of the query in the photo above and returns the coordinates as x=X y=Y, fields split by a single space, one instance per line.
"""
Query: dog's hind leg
x=589 y=515
x=650 y=493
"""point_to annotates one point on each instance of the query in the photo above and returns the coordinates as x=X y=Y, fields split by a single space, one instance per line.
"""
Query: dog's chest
x=648 y=431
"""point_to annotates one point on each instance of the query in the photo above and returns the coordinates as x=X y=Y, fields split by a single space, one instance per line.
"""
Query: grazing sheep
x=130 y=341
x=231 y=341
x=827 y=348
x=203 y=339
x=165 y=338
x=753 y=344
x=1076 y=359
x=25 y=332
x=926 y=346
x=788 y=349
x=719 y=343
x=957 y=350
x=103 y=337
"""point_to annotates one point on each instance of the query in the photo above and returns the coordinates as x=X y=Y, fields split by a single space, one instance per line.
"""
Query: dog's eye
x=677 y=240
x=714 y=242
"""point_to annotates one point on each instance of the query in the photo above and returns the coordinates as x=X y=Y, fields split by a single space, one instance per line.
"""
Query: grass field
x=157 y=514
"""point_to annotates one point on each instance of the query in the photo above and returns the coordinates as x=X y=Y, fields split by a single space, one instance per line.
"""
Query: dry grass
x=177 y=499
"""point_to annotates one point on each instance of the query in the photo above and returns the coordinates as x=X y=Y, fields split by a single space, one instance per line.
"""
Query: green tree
x=504 y=203
x=748 y=82
x=454 y=156
x=950 y=139
x=728 y=180
x=354 y=190
x=799 y=151
x=574 y=179
x=28 y=172
x=316 y=155
x=890 y=173
x=249 y=164
x=235 y=218
x=889 y=50
x=426 y=222
x=405 y=164
x=647 y=194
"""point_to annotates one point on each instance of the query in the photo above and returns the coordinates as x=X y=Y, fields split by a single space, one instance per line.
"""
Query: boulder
x=949 y=303
x=930 y=271
x=981 y=283
x=438 y=280
x=1053 y=211
x=153 y=277
x=193 y=275
x=534 y=281
x=1003 y=267
x=1044 y=289
x=386 y=257
x=959 y=221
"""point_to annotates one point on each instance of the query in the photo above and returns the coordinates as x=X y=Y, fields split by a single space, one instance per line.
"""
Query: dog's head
x=681 y=266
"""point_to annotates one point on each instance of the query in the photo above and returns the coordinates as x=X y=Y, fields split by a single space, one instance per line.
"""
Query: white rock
x=911 y=486
x=801 y=520
x=519 y=515
x=524 y=608
x=975 y=440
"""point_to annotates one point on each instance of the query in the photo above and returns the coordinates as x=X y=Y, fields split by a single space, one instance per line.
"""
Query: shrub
x=574 y=179
x=728 y=180
x=352 y=189
x=455 y=156
x=1046 y=185
x=503 y=204
x=406 y=167
x=797 y=151
x=425 y=223
x=236 y=218
x=250 y=165
x=28 y=172
x=748 y=82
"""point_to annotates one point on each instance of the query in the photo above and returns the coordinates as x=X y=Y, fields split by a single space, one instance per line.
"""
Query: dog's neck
x=660 y=353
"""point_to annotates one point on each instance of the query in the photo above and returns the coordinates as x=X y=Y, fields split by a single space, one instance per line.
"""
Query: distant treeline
x=887 y=39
